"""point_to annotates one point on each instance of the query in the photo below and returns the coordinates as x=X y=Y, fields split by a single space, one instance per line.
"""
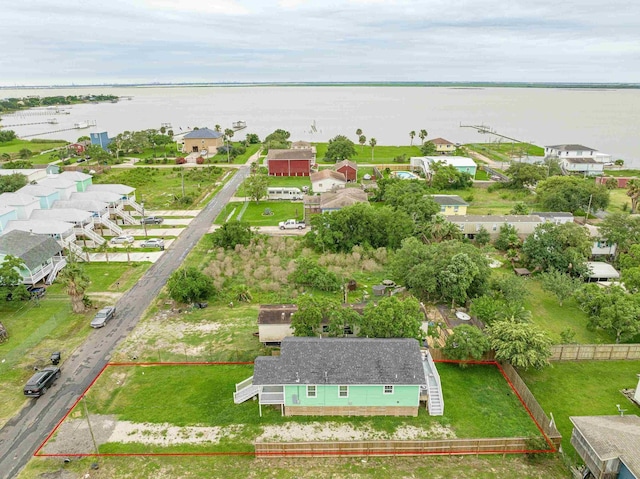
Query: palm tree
x=423 y=135
x=359 y=132
x=412 y=135
x=218 y=128
x=633 y=192
x=362 y=140
x=228 y=134
x=104 y=248
x=373 y=144
x=76 y=281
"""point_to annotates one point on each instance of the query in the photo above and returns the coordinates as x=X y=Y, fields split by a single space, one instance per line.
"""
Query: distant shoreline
x=455 y=85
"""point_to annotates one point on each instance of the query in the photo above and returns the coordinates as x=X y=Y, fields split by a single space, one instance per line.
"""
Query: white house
x=582 y=166
x=470 y=224
x=555 y=217
x=32 y=174
x=21 y=203
x=64 y=187
x=574 y=151
x=327 y=180
x=601 y=247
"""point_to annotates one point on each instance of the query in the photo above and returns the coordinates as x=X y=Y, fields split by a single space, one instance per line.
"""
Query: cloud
x=333 y=40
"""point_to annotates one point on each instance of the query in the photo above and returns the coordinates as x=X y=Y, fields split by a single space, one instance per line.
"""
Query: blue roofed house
x=345 y=377
x=41 y=254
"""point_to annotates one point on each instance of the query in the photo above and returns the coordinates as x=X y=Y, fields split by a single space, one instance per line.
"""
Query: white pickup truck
x=292 y=225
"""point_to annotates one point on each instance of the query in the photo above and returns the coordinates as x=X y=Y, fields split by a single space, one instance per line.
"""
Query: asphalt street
x=22 y=435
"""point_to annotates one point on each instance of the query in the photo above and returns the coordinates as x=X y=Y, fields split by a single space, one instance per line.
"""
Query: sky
x=46 y=42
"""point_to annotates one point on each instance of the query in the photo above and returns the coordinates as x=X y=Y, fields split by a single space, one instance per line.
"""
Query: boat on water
x=84 y=124
x=239 y=125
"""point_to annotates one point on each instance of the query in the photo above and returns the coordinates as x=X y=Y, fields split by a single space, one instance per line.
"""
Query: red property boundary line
x=37 y=453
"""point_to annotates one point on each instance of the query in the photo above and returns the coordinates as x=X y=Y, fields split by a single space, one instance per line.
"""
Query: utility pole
x=86 y=413
x=589 y=207
x=144 y=222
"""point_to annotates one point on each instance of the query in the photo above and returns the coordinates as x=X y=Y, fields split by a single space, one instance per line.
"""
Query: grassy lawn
x=206 y=467
x=282 y=211
x=505 y=151
x=553 y=318
x=585 y=388
x=618 y=200
x=35 y=331
x=484 y=202
x=38 y=329
x=36 y=146
x=161 y=188
x=171 y=153
x=620 y=172
x=381 y=154
x=139 y=395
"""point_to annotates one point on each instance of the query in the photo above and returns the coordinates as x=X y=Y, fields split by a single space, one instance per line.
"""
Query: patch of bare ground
x=74 y=435
x=166 y=332
x=294 y=432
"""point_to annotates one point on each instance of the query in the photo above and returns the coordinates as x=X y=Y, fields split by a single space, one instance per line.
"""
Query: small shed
x=348 y=168
x=600 y=271
x=524 y=272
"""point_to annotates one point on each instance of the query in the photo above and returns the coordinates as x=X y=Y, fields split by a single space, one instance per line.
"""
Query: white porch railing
x=434 y=387
x=89 y=233
x=134 y=205
x=57 y=266
x=105 y=221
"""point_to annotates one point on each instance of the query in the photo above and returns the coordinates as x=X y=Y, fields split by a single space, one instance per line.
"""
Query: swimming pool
x=405 y=175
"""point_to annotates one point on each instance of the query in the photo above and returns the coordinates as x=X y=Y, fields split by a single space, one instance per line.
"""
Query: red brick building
x=348 y=168
x=290 y=162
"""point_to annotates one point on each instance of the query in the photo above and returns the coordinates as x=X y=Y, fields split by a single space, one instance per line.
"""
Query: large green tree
x=622 y=230
x=190 y=285
x=427 y=269
x=466 y=342
x=232 y=233
x=309 y=273
x=565 y=248
x=279 y=139
x=633 y=192
x=450 y=178
x=11 y=183
x=525 y=175
x=11 y=286
x=340 y=148
x=571 y=193
x=524 y=345
x=256 y=185
x=562 y=285
x=392 y=318
x=307 y=321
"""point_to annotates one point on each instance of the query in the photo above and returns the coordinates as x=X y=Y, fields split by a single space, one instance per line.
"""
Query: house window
x=343 y=391
x=455 y=208
x=442 y=208
x=311 y=391
x=494 y=228
x=388 y=390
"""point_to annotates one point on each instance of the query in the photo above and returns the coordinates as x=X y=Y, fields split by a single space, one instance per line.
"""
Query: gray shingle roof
x=31 y=248
x=611 y=437
x=345 y=361
x=202 y=134
x=494 y=219
x=343 y=198
x=572 y=147
x=449 y=200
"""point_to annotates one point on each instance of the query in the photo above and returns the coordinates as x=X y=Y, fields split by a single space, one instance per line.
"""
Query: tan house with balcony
x=444 y=147
x=200 y=140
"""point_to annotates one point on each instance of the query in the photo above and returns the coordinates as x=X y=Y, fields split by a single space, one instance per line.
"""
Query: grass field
x=139 y=395
x=619 y=172
x=206 y=467
x=549 y=315
x=484 y=202
x=585 y=388
x=161 y=188
x=35 y=146
x=38 y=329
x=282 y=211
x=505 y=151
x=381 y=154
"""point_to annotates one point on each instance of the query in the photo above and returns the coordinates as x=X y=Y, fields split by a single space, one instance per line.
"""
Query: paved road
x=22 y=435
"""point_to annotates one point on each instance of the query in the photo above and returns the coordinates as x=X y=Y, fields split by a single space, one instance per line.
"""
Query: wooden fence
x=532 y=405
x=500 y=445
x=597 y=352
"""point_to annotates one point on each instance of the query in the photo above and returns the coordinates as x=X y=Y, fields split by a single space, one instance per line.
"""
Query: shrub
x=180 y=160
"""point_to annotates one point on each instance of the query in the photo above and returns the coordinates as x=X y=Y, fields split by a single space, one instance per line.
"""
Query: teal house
x=343 y=377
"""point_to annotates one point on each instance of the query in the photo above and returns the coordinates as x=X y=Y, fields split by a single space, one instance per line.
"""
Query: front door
x=195 y=149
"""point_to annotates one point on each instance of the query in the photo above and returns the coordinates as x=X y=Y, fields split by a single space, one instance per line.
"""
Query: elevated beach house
x=204 y=139
x=345 y=377
x=41 y=255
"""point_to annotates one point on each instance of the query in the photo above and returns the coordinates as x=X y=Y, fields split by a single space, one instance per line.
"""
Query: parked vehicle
x=102 y=316
x=284 y=193
x=42 y=380
x=122 y=239
x=292 y=225
x=153 y=243
x=37 y=291
x=152 y=220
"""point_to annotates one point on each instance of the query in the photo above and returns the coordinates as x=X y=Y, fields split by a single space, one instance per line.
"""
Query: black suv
x=41 y=381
